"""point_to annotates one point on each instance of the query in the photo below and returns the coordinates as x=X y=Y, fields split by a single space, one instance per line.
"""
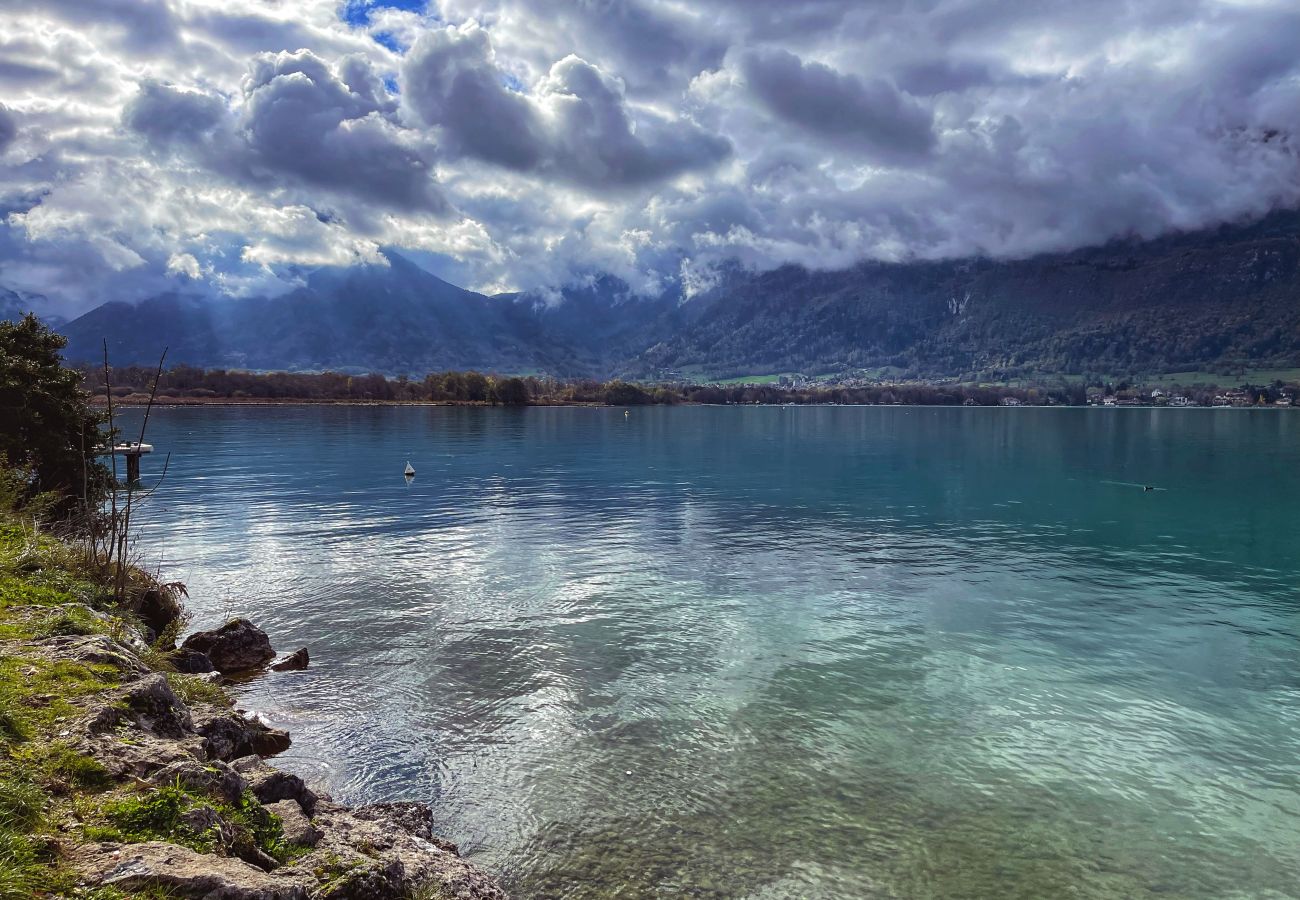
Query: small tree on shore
x=47 y=424
x=511 y=392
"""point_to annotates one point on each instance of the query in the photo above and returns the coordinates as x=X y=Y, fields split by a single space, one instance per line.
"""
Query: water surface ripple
x=777 y=653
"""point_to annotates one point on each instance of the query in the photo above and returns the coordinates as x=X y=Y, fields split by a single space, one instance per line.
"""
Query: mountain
x=1225 y=298
x=14 y=305
x=395 y=318
x=1222 y=298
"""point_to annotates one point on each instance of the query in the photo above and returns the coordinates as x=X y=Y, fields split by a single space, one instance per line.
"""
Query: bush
x=46 y=422
x=621 y=393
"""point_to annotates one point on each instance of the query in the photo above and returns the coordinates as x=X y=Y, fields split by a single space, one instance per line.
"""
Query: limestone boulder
x=148 y=703
x=237 y=646
x=178 y=872
x=298 y=829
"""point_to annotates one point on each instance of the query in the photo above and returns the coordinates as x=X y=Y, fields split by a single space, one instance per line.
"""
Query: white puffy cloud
x=228 y=142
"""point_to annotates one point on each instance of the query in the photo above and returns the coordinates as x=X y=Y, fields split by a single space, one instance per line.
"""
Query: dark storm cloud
x=870 y=116
x=302 y=119
x=576 y=125
x=451 y=83
x=942 y=76
x=298 y=120
x=164 y=114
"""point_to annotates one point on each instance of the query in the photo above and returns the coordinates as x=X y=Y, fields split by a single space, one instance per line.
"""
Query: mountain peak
x=1213 y=298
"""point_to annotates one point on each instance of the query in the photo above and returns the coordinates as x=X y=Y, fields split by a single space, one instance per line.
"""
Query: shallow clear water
x=764 y=652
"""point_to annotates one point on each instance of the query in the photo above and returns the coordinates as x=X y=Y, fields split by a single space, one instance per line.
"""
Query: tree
x=512 y=392
x=476 y=387
x=620 y=393
x=46 y=422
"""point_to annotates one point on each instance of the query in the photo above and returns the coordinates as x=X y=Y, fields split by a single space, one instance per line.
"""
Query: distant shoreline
x=251 y=401
x=308 y=401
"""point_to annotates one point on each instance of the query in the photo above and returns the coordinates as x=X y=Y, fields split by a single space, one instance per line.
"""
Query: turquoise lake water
x=776 y=653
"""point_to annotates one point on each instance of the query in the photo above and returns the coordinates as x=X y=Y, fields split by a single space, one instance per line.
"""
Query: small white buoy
x=410 y=470
x=629 y=771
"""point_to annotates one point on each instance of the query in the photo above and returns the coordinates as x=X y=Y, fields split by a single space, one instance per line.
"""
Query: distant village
x=1243 y=397
x=1277 y=394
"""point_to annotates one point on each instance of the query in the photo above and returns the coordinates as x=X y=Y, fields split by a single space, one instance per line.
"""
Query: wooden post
x=132 y=452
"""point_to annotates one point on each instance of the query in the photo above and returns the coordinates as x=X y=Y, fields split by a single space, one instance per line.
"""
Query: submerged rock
x=237 y=646
x=296 y=660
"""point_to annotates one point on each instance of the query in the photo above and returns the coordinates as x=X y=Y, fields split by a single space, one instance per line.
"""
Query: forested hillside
x=1221 y=300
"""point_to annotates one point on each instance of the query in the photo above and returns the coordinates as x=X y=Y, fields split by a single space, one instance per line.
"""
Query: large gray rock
x=157 y=608
x=130 y=752
x=96 y=649
x=382 y=853
x=271 y=785
x=210 y=777
x=228 y=736
x=237 y=646
x=148 y=703
x=180 y=872
x=191 y=661
x=298 y=829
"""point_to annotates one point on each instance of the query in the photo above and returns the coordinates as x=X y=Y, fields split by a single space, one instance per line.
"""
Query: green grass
x=193 y=689
x=60 y=768
x=40 y=585
x=50 y=589
x=1252 y=376
x=158 y=814
x=152 y=816
x=749 y=379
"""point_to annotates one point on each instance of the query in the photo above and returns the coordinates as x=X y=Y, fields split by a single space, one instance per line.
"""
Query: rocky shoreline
x=172 y=744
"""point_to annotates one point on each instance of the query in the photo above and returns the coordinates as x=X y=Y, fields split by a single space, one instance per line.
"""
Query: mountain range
x=1218 y=299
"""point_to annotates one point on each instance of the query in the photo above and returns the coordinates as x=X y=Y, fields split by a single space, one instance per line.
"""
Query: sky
x=225 y=147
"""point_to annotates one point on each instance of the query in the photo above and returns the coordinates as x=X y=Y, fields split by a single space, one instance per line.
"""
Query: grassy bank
x=52 y=796
x=123 y=778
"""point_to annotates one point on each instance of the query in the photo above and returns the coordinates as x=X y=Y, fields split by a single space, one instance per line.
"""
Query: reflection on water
x=823 y=652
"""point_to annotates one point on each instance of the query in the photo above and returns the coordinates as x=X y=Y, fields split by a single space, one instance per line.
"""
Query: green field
x=1253 y=376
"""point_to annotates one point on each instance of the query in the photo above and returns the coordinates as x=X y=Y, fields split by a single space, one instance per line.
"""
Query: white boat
x=410 y=470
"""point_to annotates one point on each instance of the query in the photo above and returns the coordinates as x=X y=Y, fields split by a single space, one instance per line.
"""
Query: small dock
x=132 y=450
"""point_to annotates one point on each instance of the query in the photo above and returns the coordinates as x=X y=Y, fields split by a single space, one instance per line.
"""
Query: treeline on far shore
x=186 y=384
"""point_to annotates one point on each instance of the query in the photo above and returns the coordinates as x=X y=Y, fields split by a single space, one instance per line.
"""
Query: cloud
x=868 y=116
x=333 y=131
x=300 y=122
x=138 y=25
x=575 y=124
x=221 y=145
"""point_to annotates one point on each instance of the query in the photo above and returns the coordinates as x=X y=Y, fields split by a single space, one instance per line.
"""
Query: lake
x=762 y=652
